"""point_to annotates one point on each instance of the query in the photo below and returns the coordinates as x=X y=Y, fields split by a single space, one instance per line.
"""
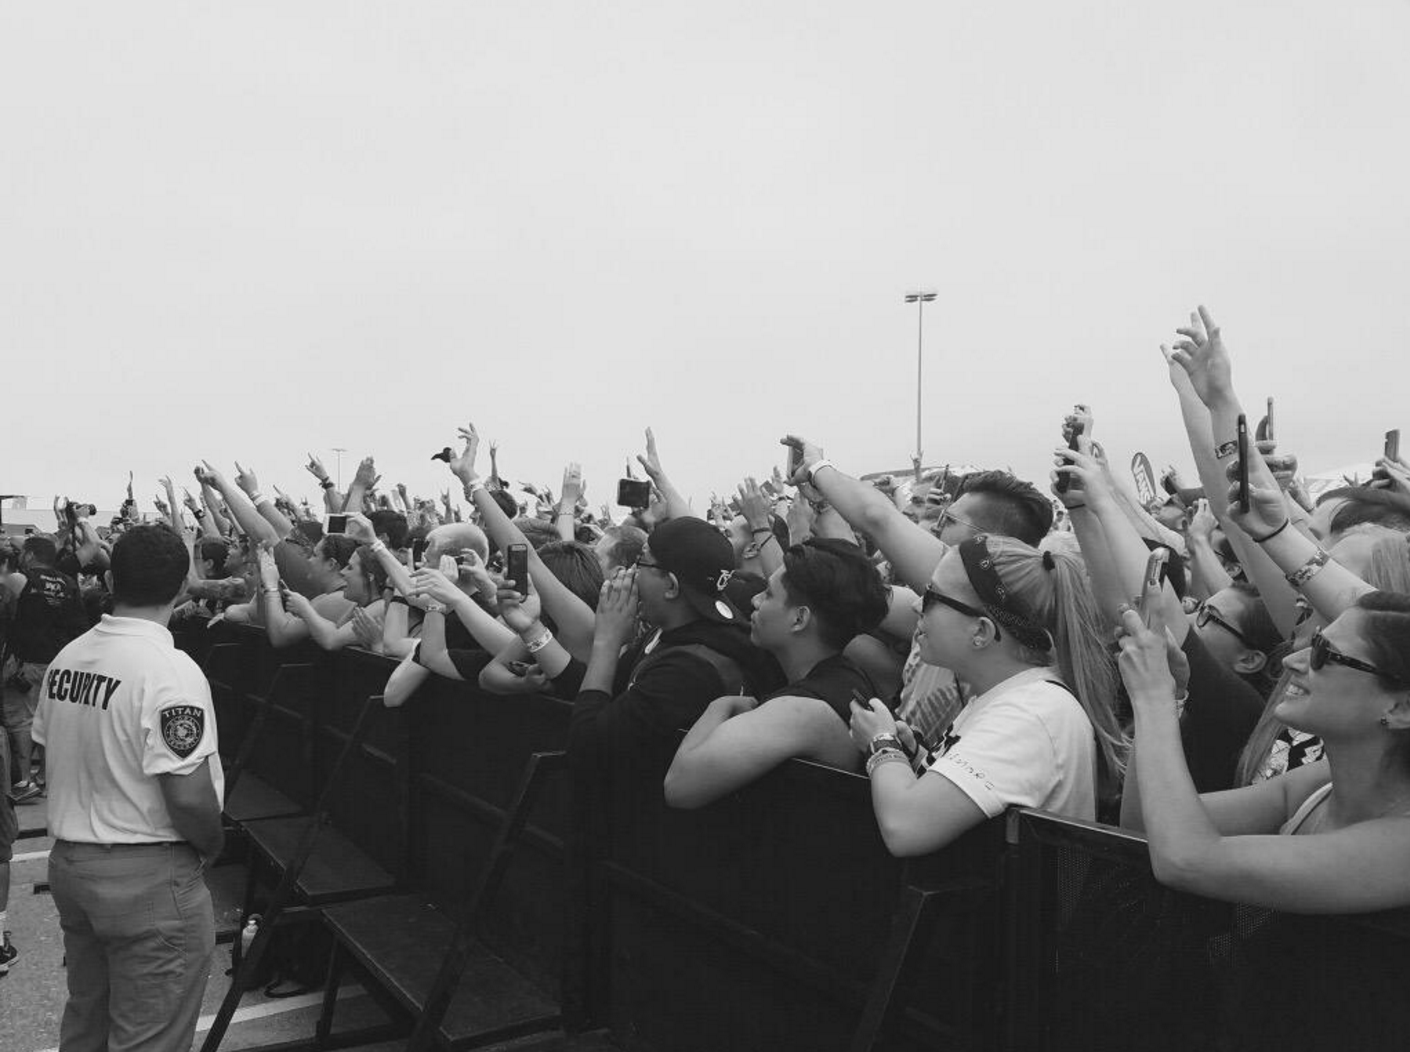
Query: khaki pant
x=139 y=935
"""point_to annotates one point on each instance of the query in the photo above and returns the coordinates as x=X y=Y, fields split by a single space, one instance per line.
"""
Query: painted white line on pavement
x=268 y=1008
x=30 y=856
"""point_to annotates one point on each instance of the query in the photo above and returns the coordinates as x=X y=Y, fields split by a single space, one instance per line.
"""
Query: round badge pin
x=724 y=609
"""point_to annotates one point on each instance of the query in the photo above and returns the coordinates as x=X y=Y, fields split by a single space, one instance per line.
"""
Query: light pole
x=920 y=297
x=340 y=450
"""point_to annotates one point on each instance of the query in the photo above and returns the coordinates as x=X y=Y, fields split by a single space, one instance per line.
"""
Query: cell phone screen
x=795 y=461
x=1393 y=444
x=1243 y=462
x=516 y=567
x=633 y=493
x=336 y=524
x=1150 y=584
x=1064 y=480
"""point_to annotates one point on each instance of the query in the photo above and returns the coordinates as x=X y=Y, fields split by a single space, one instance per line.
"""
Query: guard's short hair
x=1010 y=507
x=339 y=547
x=836 y=581
x=149 y=566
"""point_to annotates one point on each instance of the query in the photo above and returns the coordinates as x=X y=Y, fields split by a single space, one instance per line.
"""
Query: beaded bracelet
x=886 y=756
x=1309 y=569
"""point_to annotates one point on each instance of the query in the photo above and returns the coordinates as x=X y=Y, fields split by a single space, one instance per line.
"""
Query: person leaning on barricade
x=825 y=594
x=1020 y=627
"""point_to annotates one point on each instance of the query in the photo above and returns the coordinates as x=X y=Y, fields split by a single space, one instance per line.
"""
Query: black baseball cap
x=702 y=560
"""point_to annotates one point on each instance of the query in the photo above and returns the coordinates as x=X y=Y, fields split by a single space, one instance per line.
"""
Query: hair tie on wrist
x=1269 y=536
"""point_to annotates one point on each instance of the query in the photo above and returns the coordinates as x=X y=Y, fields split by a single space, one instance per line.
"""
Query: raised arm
x=365 y=479
x=676 y=505
x=245 y=479
x=913 y=551
x=255 y=525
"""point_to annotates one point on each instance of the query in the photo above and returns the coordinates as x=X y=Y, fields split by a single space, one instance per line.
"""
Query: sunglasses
x=1205 y=613
x=933 y=596
x=1323 y=654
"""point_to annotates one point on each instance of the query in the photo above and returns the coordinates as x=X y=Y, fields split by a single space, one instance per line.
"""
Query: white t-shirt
x=119 y=706
x=1024 y=743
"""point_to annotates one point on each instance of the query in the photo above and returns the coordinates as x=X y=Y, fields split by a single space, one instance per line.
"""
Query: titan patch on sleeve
x=183 y=727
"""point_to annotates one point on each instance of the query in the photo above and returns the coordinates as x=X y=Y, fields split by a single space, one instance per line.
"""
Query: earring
x=1385 y=722
x=976 y=642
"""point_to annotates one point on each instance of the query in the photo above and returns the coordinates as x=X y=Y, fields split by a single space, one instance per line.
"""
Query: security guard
x=134 y=806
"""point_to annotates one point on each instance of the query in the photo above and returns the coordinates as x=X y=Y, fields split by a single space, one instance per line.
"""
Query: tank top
x=1294 y=824
x=48 y=615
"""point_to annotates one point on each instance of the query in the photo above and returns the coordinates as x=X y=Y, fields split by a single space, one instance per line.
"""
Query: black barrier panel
x=760 y=922
x=1107 y=958
x=468 y=750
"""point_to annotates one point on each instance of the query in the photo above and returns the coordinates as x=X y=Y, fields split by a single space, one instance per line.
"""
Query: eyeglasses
x=1206 y=613
x=933 y=596
x=947 y=516
x=1322 y=654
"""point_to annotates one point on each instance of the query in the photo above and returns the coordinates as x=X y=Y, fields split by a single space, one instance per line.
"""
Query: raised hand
x=572 y=485
x=367 y=476
x=360 y=529
x=811 y=454
x=1266 y=515
x=520 y=612
x=189 y=501
x=213 y=476
x=1203 y=522
x=245 y=479
x=368 y=628
x=315 y=468
x=801 y=519
x=463 y=466
x=754 y=506
x=1204 y=358
x=268 y=568
x=161 y=505
x=1090 y=481
x=431 y=582
x=651 y=462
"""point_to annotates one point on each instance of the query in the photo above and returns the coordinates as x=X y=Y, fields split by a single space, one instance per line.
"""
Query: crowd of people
x=1225 y=668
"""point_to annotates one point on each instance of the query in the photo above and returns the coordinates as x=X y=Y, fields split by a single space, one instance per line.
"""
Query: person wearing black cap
x=825 y=594
x=631 y=705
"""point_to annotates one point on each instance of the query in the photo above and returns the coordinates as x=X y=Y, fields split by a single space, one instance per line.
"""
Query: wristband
x=471 y=488
x=884 y=740
x=434 y=607
x=886 y=756
x=1180 y=700
x=199 y=514
x=326 y=483
x=1268 y=537
x=535 y=645
x=376 y=547
x=256 y=497
x=1309 y=569
x=399 y=599
x=1226 y=449
x=817 y=466
x=761 y=529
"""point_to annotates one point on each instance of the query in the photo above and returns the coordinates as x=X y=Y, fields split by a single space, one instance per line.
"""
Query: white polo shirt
x=1023 y=743
x=119 y=706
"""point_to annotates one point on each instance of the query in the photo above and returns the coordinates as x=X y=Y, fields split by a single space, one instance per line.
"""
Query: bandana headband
x=994 y=595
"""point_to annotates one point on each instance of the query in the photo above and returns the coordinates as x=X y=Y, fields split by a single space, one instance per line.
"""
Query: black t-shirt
x=463 y=650
x=1220 y=715
x=48 y=615
x=662 y=693
x=833 y=679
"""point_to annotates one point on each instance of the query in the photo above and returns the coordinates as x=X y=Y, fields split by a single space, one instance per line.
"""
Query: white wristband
x=471 y=488
x=817 y=466
x=376 y=547
x=535 y=645
x=256 y=497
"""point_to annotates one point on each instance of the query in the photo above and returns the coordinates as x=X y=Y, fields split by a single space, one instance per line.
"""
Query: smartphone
x=335 y=524
x=1393 y=444
x=516 y=567
x=1064 y=480
x=1150 y=584
x=1268 y=431
x=519 y=668
x=633 y=493
x=1243 y=462
x=795 y=462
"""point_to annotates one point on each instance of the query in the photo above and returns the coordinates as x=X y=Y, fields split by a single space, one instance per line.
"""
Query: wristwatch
x=884 y=741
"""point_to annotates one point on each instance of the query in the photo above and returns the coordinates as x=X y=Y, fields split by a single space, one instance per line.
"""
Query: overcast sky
x=247 y=231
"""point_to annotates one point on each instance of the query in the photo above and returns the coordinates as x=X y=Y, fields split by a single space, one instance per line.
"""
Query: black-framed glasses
x=1323 y=654
x=1205 y=613
x=933 y=595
